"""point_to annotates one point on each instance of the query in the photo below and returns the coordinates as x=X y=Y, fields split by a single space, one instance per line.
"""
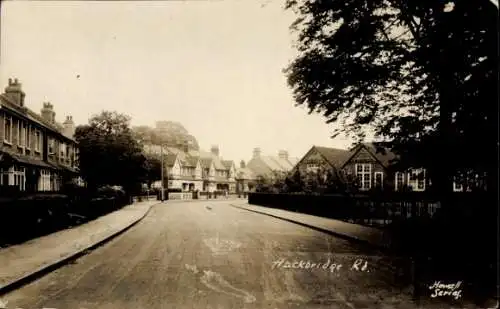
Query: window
x=38 y=140
x=416 y=178
x=364 y=173
x=28 y=132
x=20 y=178
x=44 y=181
x=51 y=146
x=457 y=186
x=63 y=150
x=312 y=167
x=8 y=129
x=399 y=183
x=5 y=176
x=379 y=179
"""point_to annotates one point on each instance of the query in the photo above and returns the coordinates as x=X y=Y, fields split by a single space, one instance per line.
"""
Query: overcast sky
x=214 y=66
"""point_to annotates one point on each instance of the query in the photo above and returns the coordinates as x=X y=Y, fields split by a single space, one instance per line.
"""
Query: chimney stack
x=256 y=152
x=69 y=127
x=14 y=91
x=48 y=112
x=215 y=150
x=283 y=154
x=186 y=146
x=242 y=164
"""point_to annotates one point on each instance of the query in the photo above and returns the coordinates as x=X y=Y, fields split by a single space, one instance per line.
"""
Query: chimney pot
x=15 y=81
x=256 y=152
x=10 y=81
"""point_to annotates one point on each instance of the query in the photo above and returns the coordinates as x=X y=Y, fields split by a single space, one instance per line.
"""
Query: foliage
x=421 y=74
x=152 y=167
x=109 y=154
x=166 y=133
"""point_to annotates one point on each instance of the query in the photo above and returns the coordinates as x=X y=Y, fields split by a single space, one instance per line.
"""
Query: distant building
x=36 y=152
x=363 y=163
x=194 y=170
x=270 y=167
x=245 y=179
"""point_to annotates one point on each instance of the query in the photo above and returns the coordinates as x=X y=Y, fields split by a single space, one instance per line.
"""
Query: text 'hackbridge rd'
x=357 y=265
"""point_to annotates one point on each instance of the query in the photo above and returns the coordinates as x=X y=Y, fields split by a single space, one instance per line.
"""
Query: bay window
x=7 y=130
x=44 y=181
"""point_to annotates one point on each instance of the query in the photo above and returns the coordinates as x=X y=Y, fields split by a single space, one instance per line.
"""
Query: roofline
x=308 y=152
x=19 y=114
x=359 y=146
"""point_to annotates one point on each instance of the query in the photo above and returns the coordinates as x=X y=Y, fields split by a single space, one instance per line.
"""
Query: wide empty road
x=211 y=255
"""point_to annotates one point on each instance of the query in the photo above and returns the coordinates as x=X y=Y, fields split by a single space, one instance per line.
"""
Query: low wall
x=180 y=195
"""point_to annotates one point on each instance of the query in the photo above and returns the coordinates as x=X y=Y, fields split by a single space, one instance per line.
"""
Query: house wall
x=364 y=157
x=312 y=160
x=26 y=145
x=178 y=184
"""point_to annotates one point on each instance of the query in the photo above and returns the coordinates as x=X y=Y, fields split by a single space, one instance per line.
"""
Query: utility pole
x=162 y=184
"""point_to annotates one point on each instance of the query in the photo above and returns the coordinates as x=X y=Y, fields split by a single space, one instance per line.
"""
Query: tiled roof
x=34 y=117
x=293 y=160
x=336 y=157
x=170 y=159
x=206 y=162
x=193 y=161
x=204 y=155
x=245 y=173
x=26 y=160
x=383 y=154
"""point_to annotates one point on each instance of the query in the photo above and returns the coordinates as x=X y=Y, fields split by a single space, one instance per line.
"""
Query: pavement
x=355 y=232
x=24 y=262
x=211 y=255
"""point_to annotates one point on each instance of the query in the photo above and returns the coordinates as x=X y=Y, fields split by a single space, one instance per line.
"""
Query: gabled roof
x=383 y=154
x=293 y=161
x=170 y=159
x=193 y=161
x=204 y=155
x=334 y=156
x=206 y=162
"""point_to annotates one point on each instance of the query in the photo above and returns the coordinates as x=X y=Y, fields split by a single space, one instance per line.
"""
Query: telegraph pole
x=162 y=184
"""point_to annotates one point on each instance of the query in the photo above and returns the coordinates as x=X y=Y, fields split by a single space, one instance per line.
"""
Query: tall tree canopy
x=109 y=153
x=422 y=75
x=170 y=133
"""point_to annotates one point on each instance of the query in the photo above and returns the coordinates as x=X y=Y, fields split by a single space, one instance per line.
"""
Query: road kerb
x=40 y=272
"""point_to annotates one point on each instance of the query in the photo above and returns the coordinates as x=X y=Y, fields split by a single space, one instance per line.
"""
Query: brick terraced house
x=36 y=152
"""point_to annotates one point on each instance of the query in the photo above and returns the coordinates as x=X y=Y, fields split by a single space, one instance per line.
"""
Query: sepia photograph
x=249 y=154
